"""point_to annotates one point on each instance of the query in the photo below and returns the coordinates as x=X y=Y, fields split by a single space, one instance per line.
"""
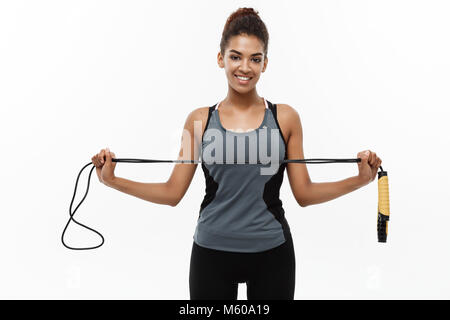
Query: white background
x=79 y=76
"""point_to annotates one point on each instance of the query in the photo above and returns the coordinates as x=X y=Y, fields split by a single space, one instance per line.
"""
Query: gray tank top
x=241 y=210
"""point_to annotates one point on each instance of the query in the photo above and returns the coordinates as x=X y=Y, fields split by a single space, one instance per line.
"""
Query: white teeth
x=243 y=78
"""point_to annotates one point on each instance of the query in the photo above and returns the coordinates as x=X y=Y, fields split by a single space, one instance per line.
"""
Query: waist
x=209 y=237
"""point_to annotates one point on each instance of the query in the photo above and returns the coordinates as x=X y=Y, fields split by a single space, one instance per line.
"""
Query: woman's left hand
x=368 y=166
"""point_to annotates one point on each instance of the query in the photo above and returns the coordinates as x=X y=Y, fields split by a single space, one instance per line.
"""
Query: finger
x=108 y=155
x=377 y=166
x=360 y=155
x=372 y=159
x=375 y=161
x=366 y=156
x=102 y=156
x=95 y=161
x=99 y=164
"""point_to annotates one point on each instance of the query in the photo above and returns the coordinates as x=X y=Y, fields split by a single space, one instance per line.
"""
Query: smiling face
x=244 y=57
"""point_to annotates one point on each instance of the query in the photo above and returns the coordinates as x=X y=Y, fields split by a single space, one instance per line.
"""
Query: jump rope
x=383 y=193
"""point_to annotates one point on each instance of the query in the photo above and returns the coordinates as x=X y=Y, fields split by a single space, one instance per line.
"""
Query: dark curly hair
x=244 y=20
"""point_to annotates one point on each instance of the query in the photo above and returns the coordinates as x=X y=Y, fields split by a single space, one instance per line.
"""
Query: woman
x=242 y=234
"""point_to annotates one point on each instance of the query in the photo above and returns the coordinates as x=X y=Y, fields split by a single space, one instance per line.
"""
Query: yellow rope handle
x=383 y=206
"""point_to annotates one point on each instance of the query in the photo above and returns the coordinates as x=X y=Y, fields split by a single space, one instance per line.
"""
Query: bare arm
x=319 y=192
x=306 y=192
x=325 y=191
x=173 y=190
x=153 y=192
x=182 y=174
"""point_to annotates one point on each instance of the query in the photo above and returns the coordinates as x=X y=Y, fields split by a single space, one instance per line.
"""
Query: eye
x=257 y=60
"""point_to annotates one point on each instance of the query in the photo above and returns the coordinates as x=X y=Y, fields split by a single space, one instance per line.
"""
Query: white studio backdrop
x=79 y=76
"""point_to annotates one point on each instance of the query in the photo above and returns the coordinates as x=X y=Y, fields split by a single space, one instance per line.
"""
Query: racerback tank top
x=241 y=210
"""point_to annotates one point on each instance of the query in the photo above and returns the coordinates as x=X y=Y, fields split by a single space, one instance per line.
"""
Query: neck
x=242 y=101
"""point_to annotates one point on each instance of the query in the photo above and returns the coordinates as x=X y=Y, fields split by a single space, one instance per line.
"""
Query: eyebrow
x=255 y=54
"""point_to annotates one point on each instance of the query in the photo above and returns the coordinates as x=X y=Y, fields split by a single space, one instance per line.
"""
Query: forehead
x=247 y=44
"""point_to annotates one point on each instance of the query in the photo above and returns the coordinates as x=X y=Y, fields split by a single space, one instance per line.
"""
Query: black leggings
x=215 y=274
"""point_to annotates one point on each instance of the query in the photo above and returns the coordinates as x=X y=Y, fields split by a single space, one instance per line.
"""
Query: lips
x=236 y=75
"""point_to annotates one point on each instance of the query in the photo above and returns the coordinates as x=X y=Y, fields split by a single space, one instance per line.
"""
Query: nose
x=244 y=66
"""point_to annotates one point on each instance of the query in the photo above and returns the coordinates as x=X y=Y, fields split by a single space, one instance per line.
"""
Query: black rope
x=129 y=160
x=245 y=162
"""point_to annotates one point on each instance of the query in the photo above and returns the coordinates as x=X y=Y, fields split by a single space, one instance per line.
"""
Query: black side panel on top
x=211 y=185
x=272 y=187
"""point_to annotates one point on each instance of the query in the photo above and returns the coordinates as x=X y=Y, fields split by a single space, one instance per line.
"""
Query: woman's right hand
x=104 y=166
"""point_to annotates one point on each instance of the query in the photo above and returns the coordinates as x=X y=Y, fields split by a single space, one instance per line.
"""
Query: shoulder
x=286 y=111
x=198 y=115
x=288 y=119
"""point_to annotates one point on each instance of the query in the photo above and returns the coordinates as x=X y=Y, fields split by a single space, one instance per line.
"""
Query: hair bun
x=241 y=12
